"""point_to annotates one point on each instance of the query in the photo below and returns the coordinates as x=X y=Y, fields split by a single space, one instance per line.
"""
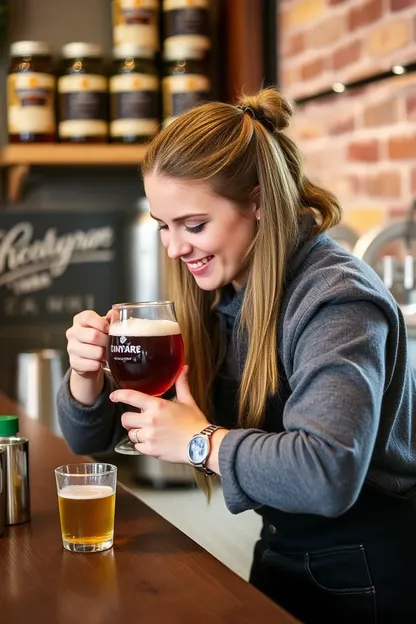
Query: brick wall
x=361 y=144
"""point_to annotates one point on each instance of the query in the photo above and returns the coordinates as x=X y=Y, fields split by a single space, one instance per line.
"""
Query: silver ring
x=135 y=438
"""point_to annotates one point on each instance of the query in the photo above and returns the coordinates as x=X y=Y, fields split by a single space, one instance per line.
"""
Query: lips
x=201 y=266
x=197 y=264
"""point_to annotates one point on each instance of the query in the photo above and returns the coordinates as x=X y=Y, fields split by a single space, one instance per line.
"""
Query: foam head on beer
x=86 y=492
x=144 y=328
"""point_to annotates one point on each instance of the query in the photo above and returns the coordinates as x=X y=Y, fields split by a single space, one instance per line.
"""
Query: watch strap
x=208 y=431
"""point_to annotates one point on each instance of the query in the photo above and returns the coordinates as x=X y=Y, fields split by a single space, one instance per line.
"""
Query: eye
x=162 y=226
x=196 y=228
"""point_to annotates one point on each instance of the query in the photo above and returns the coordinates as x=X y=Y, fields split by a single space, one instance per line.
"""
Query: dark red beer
x=145 y=355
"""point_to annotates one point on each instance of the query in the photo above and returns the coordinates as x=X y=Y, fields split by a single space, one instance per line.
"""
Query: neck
x=240 y=281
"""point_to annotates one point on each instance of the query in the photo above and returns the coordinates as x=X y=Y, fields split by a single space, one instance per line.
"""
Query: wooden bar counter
x=153 y=574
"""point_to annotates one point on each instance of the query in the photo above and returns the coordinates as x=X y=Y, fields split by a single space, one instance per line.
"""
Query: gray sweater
x=344 y=413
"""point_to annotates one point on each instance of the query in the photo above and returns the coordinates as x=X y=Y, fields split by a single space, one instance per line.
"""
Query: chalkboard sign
x=54 y=264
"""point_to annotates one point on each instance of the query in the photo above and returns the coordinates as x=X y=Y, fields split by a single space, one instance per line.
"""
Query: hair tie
x=269 y=125
x=248 y=110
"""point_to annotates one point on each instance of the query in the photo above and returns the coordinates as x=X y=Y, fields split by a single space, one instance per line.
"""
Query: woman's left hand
x=163 y=428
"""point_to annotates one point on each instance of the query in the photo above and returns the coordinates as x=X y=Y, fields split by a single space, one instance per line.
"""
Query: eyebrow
x=184 y=217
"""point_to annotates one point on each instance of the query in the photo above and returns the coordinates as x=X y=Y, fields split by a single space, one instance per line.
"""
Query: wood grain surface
x=154 y=573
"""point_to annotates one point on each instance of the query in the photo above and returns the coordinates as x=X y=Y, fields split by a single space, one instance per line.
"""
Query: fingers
x=136 y=399
x=88 y=351
x=183 y=392
x=83 y=365
x=142 y=436
x=89 y=318
x=87 y=342
x=87 y=335
x=134 y=435
x=134 y=420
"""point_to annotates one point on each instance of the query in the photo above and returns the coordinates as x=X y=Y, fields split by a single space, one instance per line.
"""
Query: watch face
x=198 y=449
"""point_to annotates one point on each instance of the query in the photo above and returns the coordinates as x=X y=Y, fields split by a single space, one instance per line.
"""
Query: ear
x=255 y=199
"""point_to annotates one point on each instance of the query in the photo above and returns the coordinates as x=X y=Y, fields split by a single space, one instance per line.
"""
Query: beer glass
x=145 y=351
x=86 y=497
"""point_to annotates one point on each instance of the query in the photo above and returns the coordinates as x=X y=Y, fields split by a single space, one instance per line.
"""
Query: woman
x=296 y=351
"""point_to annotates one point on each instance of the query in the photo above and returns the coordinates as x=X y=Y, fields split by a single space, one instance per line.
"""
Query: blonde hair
x=240 y=151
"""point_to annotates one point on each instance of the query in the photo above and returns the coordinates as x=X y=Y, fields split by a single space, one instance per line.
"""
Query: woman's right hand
x=87 y=343
x=87 y=350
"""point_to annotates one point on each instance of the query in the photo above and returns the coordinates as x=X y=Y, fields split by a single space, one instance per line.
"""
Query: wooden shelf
x=60 y=154
x=19 y=158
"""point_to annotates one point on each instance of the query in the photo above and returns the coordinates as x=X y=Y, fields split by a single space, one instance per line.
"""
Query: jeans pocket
x=342 y=570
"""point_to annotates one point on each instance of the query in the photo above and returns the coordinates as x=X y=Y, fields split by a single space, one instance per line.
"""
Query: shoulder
x=324 y=273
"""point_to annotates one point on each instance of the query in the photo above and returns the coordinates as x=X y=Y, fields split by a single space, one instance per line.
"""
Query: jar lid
x=81 y=50
x=29 y=48
x=172 y=5
x=179 y=50
x=125 y=50
x=9 y=426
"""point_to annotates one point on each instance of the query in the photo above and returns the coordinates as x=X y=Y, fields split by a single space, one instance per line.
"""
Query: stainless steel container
x=2 y=491
x=16 y=463
x=144 y=256
x=39 y=375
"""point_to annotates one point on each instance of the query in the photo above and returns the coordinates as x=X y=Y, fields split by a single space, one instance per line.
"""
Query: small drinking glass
x=86 y=497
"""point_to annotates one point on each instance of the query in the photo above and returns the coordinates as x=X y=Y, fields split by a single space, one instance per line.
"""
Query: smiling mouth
x=199 y=263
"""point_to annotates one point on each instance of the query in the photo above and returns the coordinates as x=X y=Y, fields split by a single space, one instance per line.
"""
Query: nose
x=177 y=247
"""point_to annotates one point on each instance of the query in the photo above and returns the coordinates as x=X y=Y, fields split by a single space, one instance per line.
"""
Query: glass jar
x=186 y=80
x=134 y=95
x=136 y=21
x=82 y=95
x=187 y=22
x=31 y=93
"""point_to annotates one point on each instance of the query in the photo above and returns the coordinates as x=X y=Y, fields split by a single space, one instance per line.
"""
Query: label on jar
x=134 y=105
x=83 y=105
x=136 y=21
x=186 y=21
x=183 y=92
x=31 y=105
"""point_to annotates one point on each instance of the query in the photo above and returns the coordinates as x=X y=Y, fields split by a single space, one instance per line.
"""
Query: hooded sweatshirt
x=344 y=413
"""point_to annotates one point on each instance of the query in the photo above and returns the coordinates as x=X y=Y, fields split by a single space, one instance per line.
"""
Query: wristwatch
x=199 y=449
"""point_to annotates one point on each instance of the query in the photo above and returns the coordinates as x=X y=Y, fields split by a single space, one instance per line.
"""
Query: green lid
x=9 y=426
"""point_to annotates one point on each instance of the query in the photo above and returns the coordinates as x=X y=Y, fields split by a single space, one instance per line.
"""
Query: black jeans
x=359 y=568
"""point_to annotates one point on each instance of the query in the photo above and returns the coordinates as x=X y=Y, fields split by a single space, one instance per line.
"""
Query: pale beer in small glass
x=86 y=497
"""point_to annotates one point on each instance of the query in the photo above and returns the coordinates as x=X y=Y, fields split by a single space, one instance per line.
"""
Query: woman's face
x=208 y=233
